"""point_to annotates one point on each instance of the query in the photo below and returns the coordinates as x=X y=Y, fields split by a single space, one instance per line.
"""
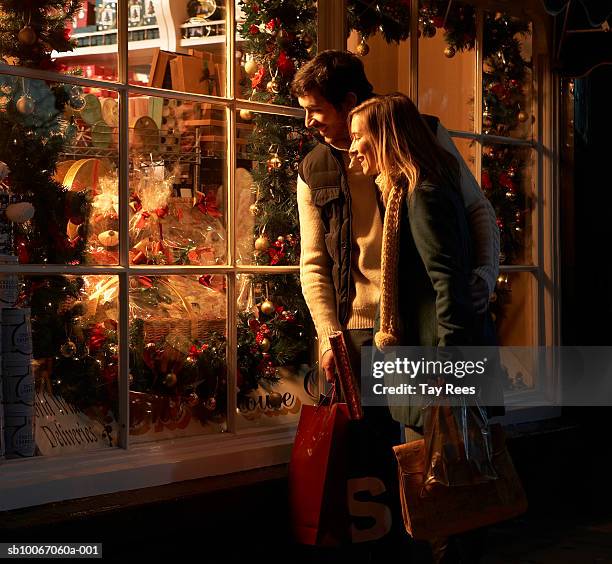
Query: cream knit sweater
x=315 y=263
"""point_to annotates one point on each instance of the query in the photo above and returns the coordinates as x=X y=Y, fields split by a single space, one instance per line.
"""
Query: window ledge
x=41 y=480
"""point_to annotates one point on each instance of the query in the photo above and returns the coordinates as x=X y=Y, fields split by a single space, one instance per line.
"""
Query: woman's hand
x=328 y=364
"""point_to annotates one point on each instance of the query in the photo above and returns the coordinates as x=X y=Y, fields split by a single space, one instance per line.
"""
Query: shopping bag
x=458 y=446
x=317 y=476
x=444 y=511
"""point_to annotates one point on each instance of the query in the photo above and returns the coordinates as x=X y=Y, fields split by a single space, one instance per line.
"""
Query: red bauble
x=285 y=64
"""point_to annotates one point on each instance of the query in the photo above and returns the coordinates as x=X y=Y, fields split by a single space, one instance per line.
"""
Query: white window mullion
x=124 y=237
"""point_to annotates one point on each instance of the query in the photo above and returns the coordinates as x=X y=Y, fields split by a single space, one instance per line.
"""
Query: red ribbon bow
x=207 y=204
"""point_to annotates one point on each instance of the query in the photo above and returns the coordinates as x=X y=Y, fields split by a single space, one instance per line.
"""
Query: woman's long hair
x=405 y=148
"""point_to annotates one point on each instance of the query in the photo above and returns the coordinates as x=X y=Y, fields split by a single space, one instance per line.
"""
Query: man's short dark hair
x=333 y=74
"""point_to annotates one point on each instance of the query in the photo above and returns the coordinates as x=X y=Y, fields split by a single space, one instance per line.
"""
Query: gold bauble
x=363 y=49
x=251 y=67
x=268 y=308
x=262 y=244
x=254 y=209
x=522 y=116
x=68 y=349
x=265 y=344
x=273 y=87
x=275 y=161
x=27 y=36
x=449 y=52
x=246 y=115
x=25 y=105
x=170 y=379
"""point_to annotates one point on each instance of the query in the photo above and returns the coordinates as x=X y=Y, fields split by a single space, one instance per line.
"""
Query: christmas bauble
x=20 y=212
x=268 y=308
x=262 y=244
x=246 y=115
x=193 y=399
x=487 y=121
x=25 y=105
x=27 y=36
x=449 y=52
x=251 y=67
x=211 y=403
x=254 y=209
x=276 y=400
x=265 y=344
x=170 y=380
x=363 y=49
x=280 y=239
x=522 y=116
x=77 y=103
x=429 y=31
x=307 y=41
x=275 y=162
x=68 y=349
x=109 y=238
x=273 y=86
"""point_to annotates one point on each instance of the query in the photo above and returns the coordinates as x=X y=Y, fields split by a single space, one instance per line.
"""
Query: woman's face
x=362 y=149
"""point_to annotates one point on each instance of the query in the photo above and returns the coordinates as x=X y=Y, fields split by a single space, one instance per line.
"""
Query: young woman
x=426 y=250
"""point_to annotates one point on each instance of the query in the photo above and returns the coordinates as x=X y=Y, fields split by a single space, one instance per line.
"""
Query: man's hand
x=480 y=293
x=329 y=366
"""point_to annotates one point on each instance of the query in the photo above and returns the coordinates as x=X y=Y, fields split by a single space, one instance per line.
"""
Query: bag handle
x=332 y=394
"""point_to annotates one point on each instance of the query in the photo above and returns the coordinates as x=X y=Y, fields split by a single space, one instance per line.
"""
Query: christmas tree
x=33 y=133
x=280 y=36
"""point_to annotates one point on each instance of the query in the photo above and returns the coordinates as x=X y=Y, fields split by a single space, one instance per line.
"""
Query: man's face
x=323 y=116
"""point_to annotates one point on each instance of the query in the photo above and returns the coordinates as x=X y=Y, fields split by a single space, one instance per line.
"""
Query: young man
x=340 y=217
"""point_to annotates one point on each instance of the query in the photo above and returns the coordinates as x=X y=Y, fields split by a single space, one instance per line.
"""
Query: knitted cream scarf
x=389 y=332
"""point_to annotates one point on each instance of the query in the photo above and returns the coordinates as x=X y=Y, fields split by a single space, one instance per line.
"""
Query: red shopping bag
x=317 y=476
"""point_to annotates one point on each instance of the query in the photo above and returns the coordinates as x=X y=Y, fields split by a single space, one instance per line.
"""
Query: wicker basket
x=156 y=329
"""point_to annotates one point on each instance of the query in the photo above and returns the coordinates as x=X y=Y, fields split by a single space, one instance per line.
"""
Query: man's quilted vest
x=323 y=170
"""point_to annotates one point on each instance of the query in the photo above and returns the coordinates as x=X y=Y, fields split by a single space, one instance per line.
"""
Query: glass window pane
x=507 y=95
x=386 y=64
x=514 y=309
x=269 y=149
x=274 y=351
x=59 y=365
x=446 y=73
x=177 y=356
x=273 y=40
x=59 y=145
x=192 y=54
x=178 y=182
x=508 y=180
x=84 y=38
